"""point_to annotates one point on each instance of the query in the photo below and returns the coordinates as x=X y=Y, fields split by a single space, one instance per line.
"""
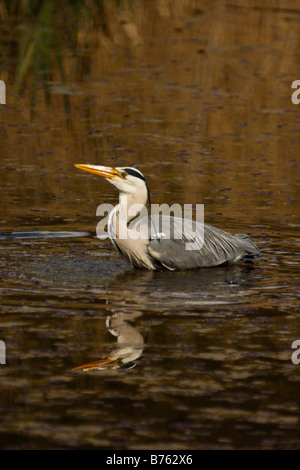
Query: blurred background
x=197 y=95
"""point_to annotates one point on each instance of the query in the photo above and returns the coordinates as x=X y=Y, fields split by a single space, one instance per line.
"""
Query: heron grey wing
x=198 y=245
x=175 y=241
x=178 y=243
x=187 y=252
x=165 y=242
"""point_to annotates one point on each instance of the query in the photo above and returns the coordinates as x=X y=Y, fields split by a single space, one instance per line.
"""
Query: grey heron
x=212 y=246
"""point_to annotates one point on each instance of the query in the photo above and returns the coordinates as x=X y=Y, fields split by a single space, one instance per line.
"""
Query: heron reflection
x=130 y=344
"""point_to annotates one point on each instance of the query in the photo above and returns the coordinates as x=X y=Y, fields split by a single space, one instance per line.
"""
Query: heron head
x=127 y=180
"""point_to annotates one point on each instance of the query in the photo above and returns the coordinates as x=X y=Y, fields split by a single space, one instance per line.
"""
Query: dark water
x=198 y=96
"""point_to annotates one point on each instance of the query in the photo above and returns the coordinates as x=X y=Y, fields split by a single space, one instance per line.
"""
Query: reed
x=49 y=32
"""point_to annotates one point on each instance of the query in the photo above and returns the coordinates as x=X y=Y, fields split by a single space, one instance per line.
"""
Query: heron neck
x=127 y=203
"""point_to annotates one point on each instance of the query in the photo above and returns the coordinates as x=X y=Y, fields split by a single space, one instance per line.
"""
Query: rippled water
x=209 y=351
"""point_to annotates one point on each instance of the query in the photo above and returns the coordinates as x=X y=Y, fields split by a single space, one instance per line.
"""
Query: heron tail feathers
x=249 y=246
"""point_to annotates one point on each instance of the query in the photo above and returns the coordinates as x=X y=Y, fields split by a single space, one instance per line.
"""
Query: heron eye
x=124 y=174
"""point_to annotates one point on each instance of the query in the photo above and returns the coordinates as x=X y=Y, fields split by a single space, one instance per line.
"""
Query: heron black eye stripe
x=132 y=172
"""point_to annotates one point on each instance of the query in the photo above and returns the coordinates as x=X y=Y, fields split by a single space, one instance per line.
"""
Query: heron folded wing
x=199 y=248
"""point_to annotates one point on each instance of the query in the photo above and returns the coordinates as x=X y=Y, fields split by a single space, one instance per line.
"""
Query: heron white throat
x=215 y=248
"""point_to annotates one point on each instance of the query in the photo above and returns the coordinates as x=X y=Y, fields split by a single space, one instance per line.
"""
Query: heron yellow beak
x=105 y=171
x=101 y=365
